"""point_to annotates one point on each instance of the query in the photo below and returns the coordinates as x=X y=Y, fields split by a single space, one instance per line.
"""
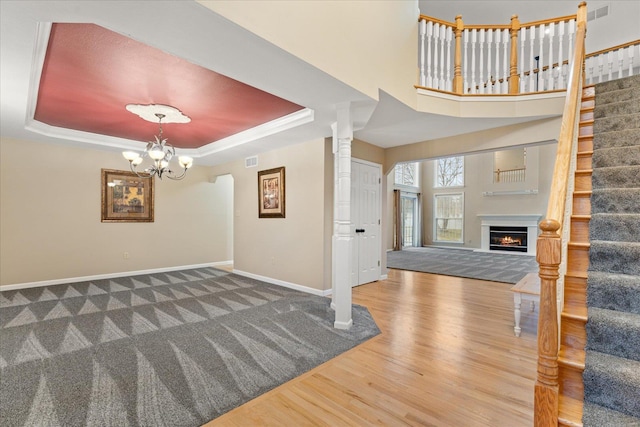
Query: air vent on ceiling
x=250 y=162
x=598 y=13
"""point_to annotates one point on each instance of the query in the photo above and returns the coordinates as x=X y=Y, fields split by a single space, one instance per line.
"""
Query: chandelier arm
x=178 y=178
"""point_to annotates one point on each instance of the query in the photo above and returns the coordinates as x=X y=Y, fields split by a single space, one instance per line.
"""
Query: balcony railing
x=512 y=58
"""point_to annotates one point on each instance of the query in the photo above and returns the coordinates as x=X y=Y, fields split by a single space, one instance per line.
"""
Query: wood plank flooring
x=447 y=356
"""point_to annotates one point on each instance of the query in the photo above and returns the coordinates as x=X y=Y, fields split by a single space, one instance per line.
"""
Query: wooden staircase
x=571 y=356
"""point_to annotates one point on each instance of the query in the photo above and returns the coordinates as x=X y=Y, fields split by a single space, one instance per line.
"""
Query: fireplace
x=515 y=233
x=510 y=239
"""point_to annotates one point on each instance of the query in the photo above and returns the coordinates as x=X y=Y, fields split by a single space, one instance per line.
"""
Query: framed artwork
x=126 y=197
x=271 y=193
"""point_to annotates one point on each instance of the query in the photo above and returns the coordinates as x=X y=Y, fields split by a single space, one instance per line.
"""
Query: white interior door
x=365 y=221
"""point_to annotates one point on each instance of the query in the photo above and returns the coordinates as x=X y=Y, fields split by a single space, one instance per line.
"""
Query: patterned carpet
x=174 y=349
x=495 y=267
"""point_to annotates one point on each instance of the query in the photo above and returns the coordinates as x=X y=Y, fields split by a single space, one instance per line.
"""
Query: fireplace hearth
x=510 y=239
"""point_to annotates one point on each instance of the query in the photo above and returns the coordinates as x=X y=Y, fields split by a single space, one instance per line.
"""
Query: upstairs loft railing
x=514 y=58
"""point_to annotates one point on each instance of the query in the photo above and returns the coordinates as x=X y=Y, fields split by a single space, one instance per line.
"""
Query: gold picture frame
x=126 y=197
x=271 y=192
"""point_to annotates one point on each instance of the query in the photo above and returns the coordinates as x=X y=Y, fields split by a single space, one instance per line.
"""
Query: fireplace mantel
x=514 y=220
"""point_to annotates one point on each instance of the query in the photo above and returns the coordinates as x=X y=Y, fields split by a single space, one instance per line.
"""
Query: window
x=449 y=172
x=406 y=174
x=448 y=218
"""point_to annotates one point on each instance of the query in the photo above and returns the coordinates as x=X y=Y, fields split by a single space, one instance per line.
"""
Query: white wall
x=50 y=225
x=479 y=179
x=290 y=249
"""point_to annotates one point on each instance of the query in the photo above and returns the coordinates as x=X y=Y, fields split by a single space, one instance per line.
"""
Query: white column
x=342 y=239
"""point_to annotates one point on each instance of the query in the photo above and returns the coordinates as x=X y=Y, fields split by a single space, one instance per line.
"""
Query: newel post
x=458 y=84
x=514 y=78
x=546 y=389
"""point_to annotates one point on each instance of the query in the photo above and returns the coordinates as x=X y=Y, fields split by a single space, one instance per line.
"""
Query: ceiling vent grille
x=251 y=162
x=598 y=13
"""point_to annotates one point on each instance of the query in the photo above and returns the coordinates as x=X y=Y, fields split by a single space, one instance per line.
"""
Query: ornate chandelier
x=159 y=151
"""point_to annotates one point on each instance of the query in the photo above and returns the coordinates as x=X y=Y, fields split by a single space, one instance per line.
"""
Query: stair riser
x=585 y=129
x=570 y=382
x=624 y=138
x=578 y=259
x=613 y=85
x=585 y=143
x=613 y=337
x=622 y=156
x=573 y=333
x=615 y=201
x=620 y=293
x=581 y=204
x=616 y=123
x=618 y=95
x=584 y=161
x=606 y=391
x=587 y=115
x=616 y=177
x=620 y=228
x=620 y=107
x=579 y=231
x=610 y=257
x=583 y=181
x=575 y=291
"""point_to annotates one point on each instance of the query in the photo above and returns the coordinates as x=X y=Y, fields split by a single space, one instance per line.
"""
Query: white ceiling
x=186 y=31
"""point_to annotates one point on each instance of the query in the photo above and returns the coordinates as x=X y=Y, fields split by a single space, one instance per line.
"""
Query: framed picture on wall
x=271 y=193
x=126 y=197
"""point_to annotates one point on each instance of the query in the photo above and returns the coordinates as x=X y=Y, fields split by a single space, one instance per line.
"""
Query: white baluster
x=540 y=76
x=423 y=34
x=562 y=70
x=436 y=45
x=523 y=36
x=449 y=85
x=620 y=62
x=465 y=67
x=630 y=53
x=588 y=65
x=610 y=65
x=572 y=31
x=429 y=82
x=474 y=38
x=489 y=76
x=507 y=64
x=600 y=67
x=441 y=82
x=551 y=27
x=498 y=86
x=481 y=80
x=532 y=75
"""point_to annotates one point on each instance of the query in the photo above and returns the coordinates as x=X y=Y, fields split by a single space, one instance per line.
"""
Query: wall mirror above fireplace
x=509 y=165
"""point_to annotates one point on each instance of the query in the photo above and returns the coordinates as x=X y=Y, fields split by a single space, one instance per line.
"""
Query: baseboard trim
x=289 y=285
x=107 y=276
x=384 y=277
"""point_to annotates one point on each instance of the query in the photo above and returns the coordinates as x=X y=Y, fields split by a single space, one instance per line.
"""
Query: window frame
x=435 y=217
x=436 y=173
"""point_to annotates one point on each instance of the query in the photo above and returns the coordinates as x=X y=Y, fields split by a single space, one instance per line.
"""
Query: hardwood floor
x=447 y=356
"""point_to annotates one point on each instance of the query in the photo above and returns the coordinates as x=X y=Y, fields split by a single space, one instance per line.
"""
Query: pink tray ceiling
x=90 y=74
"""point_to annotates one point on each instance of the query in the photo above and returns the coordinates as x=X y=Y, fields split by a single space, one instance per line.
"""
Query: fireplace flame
x=508 y=240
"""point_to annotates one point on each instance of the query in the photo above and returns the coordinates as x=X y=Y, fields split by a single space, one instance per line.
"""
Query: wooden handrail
x=436 y=20
x=613 y=49
x=549 y=21
x=549 y=244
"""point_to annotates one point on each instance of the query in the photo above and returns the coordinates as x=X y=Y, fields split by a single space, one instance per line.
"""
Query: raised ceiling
x=90 y=74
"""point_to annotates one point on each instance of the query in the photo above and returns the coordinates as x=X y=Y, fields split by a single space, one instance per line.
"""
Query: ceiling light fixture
x=159 y=151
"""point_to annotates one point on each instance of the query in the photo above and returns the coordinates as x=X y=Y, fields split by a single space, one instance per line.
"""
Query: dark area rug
x=495 y=267
x=174 y=349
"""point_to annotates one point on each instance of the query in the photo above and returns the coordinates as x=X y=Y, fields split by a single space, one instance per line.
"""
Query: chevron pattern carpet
x=175 y=349
x=496 y=267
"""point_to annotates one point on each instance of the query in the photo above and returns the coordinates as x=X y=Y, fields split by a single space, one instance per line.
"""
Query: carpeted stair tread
x=615 y=227
x=613 y=85
x=614 y=257
x=619 y=292
x=616 y=177
x=618 y=107
x=615 y=200
x=612 y=382
x=616 y=156
x=618 y=95
x=598 y=416
x=616 y=138
x=614 y=332
x=613 y=123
